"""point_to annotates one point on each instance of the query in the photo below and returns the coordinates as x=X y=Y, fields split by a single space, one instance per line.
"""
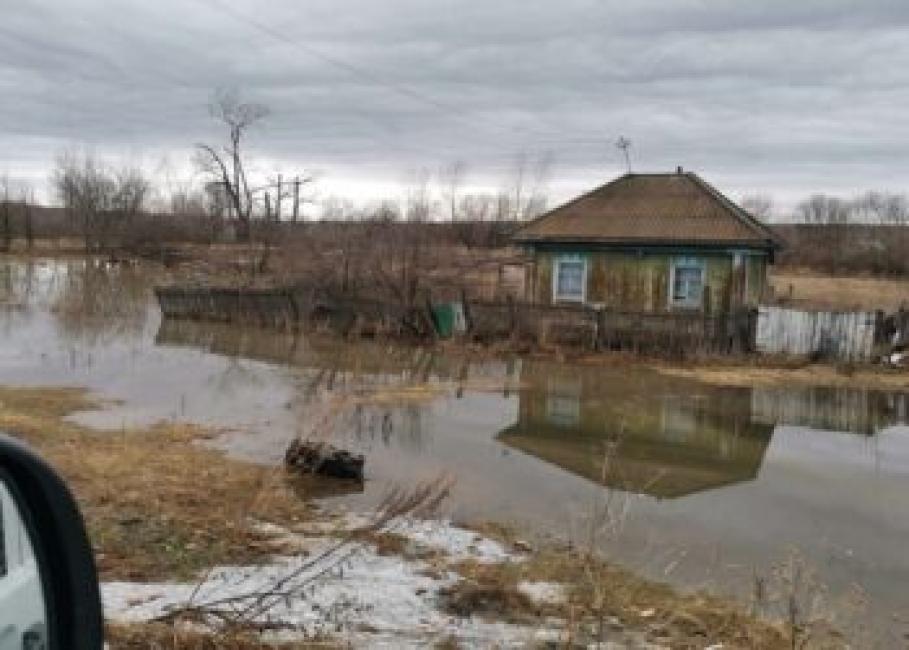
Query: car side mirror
x=49 y=595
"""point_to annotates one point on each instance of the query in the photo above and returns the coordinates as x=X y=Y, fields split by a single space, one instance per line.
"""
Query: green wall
x=639 y=281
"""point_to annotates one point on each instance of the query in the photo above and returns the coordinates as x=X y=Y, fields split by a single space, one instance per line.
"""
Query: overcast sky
x=765 y=97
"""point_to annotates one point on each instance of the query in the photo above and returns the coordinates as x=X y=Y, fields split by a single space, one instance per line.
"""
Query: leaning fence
x=558 y=325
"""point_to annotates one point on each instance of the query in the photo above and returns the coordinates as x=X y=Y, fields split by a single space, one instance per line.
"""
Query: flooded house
x=649 y=243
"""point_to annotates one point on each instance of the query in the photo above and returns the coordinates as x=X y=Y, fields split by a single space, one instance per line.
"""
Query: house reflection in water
x=637 y=432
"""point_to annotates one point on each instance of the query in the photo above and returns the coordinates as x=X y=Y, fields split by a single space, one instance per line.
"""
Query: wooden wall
x=631 y=281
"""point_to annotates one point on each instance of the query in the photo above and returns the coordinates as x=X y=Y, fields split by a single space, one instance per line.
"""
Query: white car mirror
x=23 y=622
x=49 y=597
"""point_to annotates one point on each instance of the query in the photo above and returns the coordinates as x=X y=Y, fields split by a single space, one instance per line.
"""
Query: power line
x=455 y=112
x=497 y=159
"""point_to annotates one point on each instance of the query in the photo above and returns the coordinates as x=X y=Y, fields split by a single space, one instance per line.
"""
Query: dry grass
x=402 y=394
x=157 y=505
x=387 y=543
x=606 y=601
x=601 y=594
x=844 y=293
x=807 y=375
x=167 y=637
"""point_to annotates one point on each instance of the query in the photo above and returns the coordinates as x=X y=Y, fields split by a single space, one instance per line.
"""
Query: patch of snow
x=348 y=592
x=458 y=543
x=544 y=593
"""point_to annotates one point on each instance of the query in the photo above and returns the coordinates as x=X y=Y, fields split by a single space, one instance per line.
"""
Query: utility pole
x=624 y=144
x=278 y=201
x=296 y=212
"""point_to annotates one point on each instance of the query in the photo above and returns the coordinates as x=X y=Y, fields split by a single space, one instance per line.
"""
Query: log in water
x=324 y=459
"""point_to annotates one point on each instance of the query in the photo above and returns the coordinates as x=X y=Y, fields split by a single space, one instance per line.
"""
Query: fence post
x=512 y=315
x=468 y=320
x=600 y=329
x=430 y=318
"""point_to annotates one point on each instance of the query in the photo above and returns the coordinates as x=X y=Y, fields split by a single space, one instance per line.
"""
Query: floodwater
x=696 y=485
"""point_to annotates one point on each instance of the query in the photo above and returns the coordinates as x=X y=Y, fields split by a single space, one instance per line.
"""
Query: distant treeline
x=20 y=222
x=880 y=249
x=846 y=248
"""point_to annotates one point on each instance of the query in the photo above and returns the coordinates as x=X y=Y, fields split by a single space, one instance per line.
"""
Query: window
x=570 y=279
x=687 y=282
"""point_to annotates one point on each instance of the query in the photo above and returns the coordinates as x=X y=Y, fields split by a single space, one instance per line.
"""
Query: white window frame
x=557 y=269
x=686 y=262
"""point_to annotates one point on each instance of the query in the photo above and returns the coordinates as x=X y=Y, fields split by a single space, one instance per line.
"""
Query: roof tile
x=650 y=208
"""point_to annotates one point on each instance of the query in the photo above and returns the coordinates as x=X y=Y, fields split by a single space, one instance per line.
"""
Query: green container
x=444 y=317
x=449 y=319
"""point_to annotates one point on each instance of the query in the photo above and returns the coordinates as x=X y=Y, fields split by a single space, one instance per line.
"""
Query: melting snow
x=545 y=593
x=351 y=593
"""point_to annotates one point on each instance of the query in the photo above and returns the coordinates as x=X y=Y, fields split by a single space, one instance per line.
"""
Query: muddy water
x=696 y=485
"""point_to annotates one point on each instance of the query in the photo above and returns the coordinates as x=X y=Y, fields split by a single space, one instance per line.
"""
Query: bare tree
x=225 y=164
x=825 y=210
x=758 y=205
x=452 y=176
x=100 y=199
x=417 y=212
x=27 y=199
x=880 y=208
x=527 y=197
x=477 y=211
x=5 y=227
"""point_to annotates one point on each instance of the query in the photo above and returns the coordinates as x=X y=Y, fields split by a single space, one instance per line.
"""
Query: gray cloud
x=774 y=97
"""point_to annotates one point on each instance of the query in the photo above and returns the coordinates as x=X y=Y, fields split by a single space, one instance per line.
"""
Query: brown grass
x=156 y=505
x=166 y=637
x=386 y=543
x=844 y=293
x=808 y=375
x=599 y=591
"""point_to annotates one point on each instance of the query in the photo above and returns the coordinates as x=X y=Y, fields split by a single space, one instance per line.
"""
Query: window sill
x=686 y=307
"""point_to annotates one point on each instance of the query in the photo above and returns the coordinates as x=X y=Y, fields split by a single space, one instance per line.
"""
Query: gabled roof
x=651 y=209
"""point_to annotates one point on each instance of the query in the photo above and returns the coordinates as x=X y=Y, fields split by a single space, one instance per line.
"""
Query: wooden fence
x=574 y=326
x=266 y=307
x=578 y=326
x=286 y=308
x=845 y=336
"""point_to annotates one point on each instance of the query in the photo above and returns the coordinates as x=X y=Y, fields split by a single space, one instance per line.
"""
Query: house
x=649 y=243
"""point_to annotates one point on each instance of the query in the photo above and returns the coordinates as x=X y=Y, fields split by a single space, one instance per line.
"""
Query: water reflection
x=91 y=300
x=668 y=438
x=96 y=300
x=667 y=444
x=333 y=364
x=848 y=410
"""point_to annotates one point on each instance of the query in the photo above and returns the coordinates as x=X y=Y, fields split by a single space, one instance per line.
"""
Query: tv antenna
x=624 y=144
